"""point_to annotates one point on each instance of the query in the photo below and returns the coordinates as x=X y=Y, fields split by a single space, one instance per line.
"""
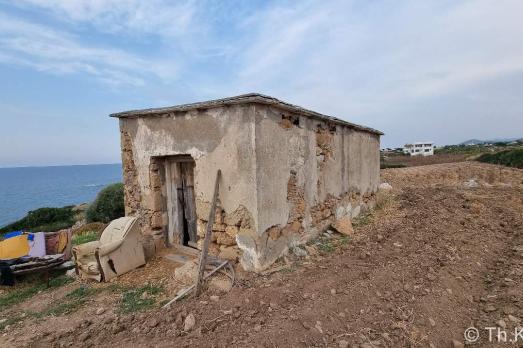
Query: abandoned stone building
x=287 y=174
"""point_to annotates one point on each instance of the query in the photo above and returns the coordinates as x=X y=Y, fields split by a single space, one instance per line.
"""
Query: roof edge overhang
x=251 y=98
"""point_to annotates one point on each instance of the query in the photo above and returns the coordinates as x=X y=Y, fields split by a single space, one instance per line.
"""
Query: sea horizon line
x=57 y=165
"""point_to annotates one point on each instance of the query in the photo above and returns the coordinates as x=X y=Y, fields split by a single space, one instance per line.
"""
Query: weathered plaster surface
x=308 y=173
x=220 y=138
x=285 y=177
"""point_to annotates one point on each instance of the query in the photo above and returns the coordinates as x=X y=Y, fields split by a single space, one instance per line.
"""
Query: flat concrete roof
x=243 y=99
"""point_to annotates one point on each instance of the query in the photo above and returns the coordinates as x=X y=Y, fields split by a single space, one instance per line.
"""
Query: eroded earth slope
x=443 y=252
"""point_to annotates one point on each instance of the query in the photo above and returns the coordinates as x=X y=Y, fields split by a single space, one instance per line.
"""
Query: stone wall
x=219 y=138
x=227 y=226
x=309 y=174
x=131 y=187
x=285 y=177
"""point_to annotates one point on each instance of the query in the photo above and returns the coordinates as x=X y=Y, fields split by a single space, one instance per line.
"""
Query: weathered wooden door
x=189 y=204
x=181 y=205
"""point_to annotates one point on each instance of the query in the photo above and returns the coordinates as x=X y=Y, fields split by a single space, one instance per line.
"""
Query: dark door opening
x=181 y=205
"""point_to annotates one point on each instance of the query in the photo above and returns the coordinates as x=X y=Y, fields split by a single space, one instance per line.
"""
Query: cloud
x=57 y=52
x=121 y=16
x=374 y=51
x=380 y=63
x=390 y=49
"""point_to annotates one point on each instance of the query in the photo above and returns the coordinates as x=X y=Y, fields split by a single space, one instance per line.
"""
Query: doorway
x=181 y=205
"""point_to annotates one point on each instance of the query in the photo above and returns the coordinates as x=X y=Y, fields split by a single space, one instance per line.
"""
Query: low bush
x=85 y=237
x=140 y=299
x=461 y=149
x=392 y=165
x=509 y=158
x=43 y=220
x=108 y=205
x=97 y=227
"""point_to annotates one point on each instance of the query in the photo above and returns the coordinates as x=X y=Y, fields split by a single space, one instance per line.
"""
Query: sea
x=28 y=188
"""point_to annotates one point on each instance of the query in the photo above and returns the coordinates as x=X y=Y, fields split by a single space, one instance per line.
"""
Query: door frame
x=181 y=205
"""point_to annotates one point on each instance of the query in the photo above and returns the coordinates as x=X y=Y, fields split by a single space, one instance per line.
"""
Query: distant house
x=392 y=150
x=419 y=149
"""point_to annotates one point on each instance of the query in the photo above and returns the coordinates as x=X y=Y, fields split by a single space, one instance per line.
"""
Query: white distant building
x=419 y=149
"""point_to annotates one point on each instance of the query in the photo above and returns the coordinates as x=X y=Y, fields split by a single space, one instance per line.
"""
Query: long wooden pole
x=207 y=239
x=189 y=289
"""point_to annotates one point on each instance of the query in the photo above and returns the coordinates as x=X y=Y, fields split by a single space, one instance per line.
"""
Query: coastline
x=25 y=189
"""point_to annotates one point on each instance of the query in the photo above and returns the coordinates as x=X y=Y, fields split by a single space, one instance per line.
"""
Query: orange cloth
x=14 y=247
x=62 y=241
x=59 y=243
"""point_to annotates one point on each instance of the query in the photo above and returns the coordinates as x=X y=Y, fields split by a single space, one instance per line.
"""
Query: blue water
x=25 y=189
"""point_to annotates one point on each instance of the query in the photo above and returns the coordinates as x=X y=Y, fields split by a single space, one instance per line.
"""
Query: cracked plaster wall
x=285 y=177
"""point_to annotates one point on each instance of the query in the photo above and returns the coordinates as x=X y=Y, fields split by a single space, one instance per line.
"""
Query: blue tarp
x=17 y=233
x=12 y=234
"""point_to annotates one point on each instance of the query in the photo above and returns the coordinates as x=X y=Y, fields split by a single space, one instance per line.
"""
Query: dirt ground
x=442 y=252
x=414 y=161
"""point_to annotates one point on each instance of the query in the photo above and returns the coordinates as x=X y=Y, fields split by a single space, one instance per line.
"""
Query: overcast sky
x=437 y=70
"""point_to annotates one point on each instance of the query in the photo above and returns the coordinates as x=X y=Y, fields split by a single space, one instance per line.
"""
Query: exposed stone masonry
x=225 y=229
x=296 y=197
x=156 y=215
x=130 y=177
x=228 y=226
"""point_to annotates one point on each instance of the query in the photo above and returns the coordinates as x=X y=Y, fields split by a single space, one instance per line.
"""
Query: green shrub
x=139 y=299
x=108 y=205
x=85 y=237
x=509 y=158
x=97 y=227
x=461 y=149
x=44 y=220
x=392 y=165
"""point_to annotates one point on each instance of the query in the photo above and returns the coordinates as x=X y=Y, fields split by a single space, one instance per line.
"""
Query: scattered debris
x=118 y=251
x=513 y=318
x=189 y=323
x=318 y=327
x=344 y=226
x=311 y=250
x=471 y=183
x=299 y=251
x=457 y=344
x=385 y=186
x=184 y=292
x=187 y=272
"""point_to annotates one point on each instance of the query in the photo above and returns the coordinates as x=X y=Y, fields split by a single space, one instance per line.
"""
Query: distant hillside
x=472 y=142
x=491 y=141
